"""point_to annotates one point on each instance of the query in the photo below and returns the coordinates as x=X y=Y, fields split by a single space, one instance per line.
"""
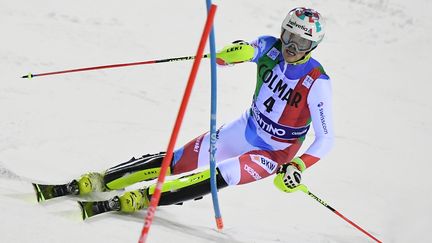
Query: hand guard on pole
x=288 y=176
x=237 y=52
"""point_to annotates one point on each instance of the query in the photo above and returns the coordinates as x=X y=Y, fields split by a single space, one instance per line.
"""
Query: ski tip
x=39 y=195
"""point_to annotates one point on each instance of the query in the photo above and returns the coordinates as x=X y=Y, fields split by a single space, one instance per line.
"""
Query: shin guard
x=135 y=170
x=189 y=187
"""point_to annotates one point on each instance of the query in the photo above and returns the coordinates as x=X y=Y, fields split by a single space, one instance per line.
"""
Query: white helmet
x=305 y=22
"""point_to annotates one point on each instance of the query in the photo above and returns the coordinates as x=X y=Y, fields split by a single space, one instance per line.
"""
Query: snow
x=55 y=128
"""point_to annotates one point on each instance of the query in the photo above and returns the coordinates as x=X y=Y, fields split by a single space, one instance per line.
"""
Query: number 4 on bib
x=269 y=103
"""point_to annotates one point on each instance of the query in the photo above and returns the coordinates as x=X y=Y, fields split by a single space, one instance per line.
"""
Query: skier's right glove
x=237 y=52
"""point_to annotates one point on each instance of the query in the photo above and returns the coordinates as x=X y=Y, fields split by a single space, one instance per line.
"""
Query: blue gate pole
x=218 y=216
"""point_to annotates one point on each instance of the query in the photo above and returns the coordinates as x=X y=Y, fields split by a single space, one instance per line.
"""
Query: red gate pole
x=167 y=159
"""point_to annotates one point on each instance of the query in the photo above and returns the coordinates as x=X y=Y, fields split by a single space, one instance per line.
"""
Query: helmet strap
x=302 y=60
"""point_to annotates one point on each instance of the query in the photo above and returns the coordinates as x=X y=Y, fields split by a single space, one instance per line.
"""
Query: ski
x=45 y=192
x=92 y=208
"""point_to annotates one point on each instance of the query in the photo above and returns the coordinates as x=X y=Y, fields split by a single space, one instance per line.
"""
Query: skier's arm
x=288 y=176
x=237 y=52
x=320 y=107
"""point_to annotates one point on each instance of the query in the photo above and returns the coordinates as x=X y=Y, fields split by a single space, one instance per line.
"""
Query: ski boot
x=133 y=201
x=90 y=182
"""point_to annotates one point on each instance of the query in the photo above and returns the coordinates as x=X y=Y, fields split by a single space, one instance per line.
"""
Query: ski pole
x=173 y=59
x=304 y=189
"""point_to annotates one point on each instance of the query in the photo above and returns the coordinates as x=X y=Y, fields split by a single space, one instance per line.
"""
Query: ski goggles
x=299 y=43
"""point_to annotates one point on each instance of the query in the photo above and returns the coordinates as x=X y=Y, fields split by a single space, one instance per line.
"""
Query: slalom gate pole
x=213 y=107
x=173 y=59
x=169 y=153
x=304 y=189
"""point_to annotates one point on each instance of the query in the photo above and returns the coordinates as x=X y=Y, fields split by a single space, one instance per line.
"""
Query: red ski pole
x=165 y=162
x=173 y=59
x=304 y=189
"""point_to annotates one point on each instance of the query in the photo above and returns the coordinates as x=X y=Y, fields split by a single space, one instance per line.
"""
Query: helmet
x=306 y=23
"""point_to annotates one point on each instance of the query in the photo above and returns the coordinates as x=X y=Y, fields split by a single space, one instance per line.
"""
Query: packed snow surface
x=55 y=128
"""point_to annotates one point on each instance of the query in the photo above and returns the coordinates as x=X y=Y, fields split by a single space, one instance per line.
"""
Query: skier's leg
x=135 y=170
x=248 y=167
x=193 y=186
x=230 y=143
x=194 y=154
x=255 y=164
x=120 y=176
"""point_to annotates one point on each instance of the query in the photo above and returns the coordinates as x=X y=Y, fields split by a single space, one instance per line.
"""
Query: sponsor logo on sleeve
x=252 y=172
x=273 y=53
x=322 y=117
x=197 y=144
x=307 y=82
x=267 y=164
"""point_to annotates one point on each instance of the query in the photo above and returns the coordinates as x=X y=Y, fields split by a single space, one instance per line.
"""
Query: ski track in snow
x=6 y=173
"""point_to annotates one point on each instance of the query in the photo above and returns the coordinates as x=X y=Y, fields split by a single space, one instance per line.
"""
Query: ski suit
x=287 y=100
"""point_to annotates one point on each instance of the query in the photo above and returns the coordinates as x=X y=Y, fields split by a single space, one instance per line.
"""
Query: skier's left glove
x=288 y=176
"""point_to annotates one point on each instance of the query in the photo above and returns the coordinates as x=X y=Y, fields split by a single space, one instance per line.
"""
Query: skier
x=292 y=91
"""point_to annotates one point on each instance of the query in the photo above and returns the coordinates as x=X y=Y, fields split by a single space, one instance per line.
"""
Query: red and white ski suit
x=288 y=99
